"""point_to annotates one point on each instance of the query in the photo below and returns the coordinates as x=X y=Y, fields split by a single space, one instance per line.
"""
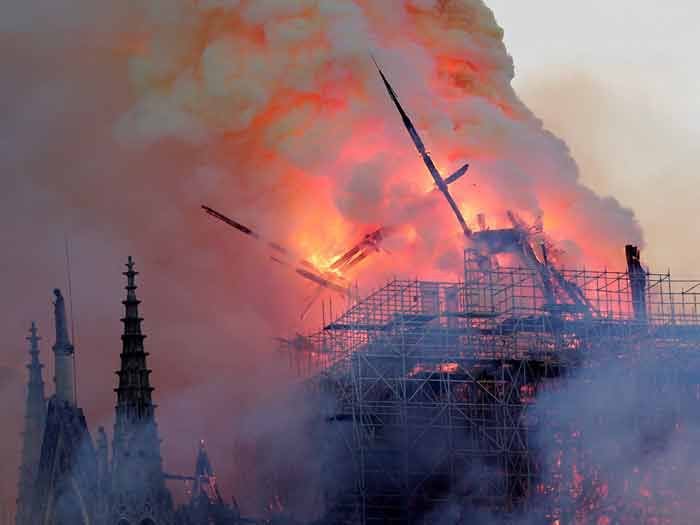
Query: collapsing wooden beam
x=442 y=184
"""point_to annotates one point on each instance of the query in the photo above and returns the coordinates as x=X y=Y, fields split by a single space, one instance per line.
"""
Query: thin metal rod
x=72 y=318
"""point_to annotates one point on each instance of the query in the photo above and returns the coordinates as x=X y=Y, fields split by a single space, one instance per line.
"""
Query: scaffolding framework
x=440 y=382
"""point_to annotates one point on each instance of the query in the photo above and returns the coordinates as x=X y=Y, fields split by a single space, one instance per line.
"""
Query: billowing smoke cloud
x=287 y=98
x=119 y=121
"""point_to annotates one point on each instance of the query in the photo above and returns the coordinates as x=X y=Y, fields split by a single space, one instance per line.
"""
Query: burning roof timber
x=331 y=277
x=518 y=240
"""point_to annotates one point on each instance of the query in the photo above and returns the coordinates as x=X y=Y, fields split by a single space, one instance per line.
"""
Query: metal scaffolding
x=438 y=381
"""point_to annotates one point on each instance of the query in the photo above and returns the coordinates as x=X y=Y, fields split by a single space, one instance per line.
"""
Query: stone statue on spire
x=63 y=353
x=62 y=339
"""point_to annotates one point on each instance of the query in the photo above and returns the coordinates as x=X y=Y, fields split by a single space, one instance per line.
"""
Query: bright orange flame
x=286 y=100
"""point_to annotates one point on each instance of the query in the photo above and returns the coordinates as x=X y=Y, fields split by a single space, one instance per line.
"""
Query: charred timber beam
x=441 y=183
x=638 y=282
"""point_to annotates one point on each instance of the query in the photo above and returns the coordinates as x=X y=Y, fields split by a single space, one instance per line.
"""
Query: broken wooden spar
x=442 y=184
x=302 y=267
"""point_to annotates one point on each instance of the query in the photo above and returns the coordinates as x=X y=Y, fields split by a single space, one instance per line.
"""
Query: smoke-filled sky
x=118 y=121
x=618 y=82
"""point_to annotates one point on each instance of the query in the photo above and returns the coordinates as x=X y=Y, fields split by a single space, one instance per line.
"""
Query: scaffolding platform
x=438 y=381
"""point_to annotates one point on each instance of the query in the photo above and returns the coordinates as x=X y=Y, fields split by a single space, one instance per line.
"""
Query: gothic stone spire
x=138 y=483
x=204 y=479
x=34 y=420
x=134 y=404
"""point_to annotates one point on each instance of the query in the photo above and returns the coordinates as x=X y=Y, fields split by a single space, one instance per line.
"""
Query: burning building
x=445 y=393
x=442 y=393
x=451 y=397
x=450 y=401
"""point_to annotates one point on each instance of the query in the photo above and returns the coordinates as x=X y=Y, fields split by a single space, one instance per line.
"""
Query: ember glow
x=285 y=100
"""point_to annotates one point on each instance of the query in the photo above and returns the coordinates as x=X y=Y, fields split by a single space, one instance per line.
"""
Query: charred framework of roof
x=434 y=385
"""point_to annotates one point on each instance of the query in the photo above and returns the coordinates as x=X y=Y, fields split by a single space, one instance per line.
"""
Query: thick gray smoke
x=620 y=436
x=615 y=443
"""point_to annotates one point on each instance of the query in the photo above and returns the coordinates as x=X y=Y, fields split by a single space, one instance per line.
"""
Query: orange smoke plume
x=301 y=140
